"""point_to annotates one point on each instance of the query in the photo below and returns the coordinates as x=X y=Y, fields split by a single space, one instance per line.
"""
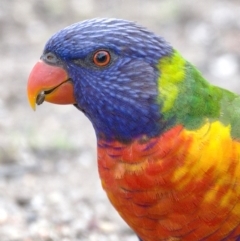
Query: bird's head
x=108 y=69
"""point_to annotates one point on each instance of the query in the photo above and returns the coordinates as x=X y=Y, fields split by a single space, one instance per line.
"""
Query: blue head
x=120 y=98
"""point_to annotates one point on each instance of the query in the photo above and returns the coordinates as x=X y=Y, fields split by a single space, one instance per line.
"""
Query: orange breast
x=183 y=185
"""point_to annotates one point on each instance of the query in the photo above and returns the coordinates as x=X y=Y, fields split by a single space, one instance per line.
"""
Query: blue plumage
x=132 y=84
x=121 y=99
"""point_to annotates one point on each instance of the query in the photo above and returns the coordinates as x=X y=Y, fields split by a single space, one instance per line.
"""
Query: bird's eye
x=101 y=58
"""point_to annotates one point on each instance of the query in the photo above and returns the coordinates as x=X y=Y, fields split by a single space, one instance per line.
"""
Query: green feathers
x=190 y=100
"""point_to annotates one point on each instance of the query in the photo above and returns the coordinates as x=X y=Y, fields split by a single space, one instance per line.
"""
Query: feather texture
x=176 y=187
x=168 y=141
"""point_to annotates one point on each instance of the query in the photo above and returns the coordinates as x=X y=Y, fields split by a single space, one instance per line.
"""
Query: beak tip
x=33 y=107
x=32 y=103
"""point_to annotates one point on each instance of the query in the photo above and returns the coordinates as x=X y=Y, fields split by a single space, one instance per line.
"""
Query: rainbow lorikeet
x=168 y=141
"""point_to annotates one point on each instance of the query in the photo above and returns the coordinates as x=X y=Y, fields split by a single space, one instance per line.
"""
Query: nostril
x=50 y=58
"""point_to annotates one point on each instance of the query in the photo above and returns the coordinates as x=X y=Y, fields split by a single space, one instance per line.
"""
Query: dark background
x=49 y=185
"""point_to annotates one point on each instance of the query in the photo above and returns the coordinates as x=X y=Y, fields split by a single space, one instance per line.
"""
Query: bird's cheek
x=49 y=83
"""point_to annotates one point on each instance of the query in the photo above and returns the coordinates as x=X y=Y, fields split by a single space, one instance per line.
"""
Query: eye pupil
x=101 y=58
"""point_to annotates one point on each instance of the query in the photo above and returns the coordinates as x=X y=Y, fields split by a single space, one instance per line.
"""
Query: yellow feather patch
x=123 y=167
x=212 y=151
x=172 y=71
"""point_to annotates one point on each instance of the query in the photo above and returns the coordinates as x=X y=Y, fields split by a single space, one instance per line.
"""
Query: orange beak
x=49 y=83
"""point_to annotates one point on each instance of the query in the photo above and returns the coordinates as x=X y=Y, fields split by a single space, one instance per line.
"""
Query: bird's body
x=166 y=190
x=168 y=141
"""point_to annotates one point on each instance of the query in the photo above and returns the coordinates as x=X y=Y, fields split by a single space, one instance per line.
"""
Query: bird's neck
x=125 y=129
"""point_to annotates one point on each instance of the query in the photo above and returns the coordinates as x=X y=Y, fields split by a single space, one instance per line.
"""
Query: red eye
x=102 y=58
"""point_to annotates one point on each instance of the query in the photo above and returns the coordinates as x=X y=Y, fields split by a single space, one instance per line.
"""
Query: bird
x=168 y=141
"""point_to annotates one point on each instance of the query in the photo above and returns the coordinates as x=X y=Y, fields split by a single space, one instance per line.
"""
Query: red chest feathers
x=148 y=184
